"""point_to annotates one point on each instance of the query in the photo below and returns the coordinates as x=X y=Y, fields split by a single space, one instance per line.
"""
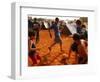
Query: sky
x=53 y=17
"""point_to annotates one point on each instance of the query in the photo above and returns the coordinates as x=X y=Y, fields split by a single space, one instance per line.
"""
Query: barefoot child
x=32 y=50
x=57 y=39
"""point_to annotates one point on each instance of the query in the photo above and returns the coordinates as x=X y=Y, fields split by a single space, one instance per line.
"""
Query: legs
x=35 y=58
x=60 y=44
x=52 y=45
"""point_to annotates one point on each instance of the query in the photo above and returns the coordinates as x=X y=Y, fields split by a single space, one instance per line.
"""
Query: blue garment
x=79 y=30
x=56 y=33
x=56 y=29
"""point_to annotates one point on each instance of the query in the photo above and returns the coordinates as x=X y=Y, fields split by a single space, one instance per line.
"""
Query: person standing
x=78 y=27
x=36 y=28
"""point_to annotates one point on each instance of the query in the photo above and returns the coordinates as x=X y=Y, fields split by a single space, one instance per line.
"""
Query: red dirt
x=55 y=56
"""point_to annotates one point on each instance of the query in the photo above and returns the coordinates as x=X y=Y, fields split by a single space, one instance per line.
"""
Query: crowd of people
x=79 y=45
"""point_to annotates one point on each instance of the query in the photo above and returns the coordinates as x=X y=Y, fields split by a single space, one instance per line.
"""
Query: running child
x=57 y=39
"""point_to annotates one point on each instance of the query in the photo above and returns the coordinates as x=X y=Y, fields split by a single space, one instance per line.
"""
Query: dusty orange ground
x=55 y=56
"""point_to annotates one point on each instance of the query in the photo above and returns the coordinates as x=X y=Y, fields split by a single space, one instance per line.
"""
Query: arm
x=50 y=33
x=33 y=49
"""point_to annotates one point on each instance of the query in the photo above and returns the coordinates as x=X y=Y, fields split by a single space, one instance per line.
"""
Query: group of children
x=79 y=45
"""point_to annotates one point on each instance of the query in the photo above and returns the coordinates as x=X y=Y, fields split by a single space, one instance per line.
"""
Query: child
x=78 y=27
x=79 y=47
x=57 y=39
x=32 y=48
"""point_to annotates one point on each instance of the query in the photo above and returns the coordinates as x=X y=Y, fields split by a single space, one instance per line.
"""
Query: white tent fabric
x=46 y=24
x=72 y=28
